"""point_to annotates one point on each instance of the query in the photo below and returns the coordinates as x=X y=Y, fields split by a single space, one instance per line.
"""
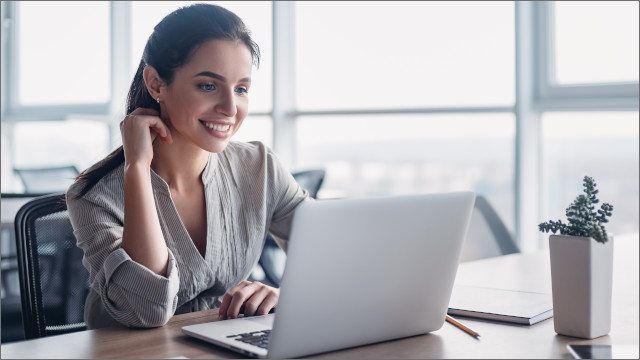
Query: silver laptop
x=358 y=271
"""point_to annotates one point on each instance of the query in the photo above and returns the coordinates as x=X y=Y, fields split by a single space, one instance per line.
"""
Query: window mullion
x=527 y=144
x=283 y=81
x=120 y=65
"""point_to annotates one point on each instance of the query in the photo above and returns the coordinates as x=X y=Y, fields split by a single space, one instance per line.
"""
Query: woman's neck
x=180 y=164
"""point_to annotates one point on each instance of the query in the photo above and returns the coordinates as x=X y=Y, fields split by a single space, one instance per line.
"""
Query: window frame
x=12 y=110
x=551 y=96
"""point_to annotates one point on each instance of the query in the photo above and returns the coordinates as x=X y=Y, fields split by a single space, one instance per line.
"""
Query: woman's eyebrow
x=220 y=77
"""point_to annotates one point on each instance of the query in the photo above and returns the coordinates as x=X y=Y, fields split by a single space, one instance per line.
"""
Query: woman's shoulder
x=110 y=185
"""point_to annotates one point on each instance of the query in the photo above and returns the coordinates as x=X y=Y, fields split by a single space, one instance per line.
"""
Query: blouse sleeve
x=130 y=293
x=287 y=195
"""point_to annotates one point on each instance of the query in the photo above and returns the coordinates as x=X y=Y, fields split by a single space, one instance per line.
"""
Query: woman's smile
x=217 y=129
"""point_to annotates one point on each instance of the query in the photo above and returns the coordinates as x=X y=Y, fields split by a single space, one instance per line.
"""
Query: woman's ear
x=153 y=81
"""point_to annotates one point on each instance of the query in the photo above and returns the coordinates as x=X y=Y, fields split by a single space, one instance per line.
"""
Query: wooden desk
x=518 y=271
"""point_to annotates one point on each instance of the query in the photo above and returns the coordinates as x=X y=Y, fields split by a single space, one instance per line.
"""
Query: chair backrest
x=47 y=180
x=487 y=235
x=273 y=258
x=53 y=282
x=311 y=180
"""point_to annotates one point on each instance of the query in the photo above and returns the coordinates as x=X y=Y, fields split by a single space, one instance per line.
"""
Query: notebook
x=358 y=271
x=520 y=307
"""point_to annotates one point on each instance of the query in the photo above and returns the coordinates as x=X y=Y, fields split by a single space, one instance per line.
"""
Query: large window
x=391 y=54
x=390 y=97
x=380 y=155
x=56 y=85
x=592 y=65
x=596 y=41
x=603 y=145
x=60 y=57
x=401 y=98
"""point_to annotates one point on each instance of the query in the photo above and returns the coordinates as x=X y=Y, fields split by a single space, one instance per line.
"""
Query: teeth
x=217 y=127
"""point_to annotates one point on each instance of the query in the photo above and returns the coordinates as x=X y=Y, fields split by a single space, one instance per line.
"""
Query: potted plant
x=581 y=267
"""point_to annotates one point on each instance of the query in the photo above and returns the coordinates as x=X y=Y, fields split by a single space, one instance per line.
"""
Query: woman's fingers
x=250 y=299
x=228 y=298
x=139 y=129
x=239 y=299
x=262 y=301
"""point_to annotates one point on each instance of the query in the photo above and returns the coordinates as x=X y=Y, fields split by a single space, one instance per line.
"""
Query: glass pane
x=8 y=180
x=45 y=144
x=258 y=128
x=596 y=41
x=603 y=145
x=257 y=16
x=63 y=52
x=404 y=54
x=409 y=154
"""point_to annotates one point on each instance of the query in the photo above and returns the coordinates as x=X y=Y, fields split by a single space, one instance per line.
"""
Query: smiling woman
x=174 y=220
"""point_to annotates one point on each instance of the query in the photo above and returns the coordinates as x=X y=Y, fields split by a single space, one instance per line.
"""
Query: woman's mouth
x=217 y=129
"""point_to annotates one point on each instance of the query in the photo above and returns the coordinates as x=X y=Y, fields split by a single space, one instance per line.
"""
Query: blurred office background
x=514 y=100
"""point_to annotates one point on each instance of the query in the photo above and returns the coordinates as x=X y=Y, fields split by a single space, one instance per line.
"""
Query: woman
x=174 y=220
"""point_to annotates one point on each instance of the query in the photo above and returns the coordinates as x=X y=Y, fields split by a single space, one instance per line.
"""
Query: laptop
x=358 y=271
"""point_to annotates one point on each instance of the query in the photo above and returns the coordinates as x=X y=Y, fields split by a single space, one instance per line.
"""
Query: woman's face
x=208 y=98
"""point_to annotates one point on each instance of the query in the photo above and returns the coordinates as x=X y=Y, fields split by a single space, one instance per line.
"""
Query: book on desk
x=520 y=307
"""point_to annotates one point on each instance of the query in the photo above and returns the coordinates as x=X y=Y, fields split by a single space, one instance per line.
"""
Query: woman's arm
x=142 y=236
x=129 y=292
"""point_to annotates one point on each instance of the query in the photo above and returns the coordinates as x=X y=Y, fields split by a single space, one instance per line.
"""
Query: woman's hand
x=139 y=129
x=255 y=298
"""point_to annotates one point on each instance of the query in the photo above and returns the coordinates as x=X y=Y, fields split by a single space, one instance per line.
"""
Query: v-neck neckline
x=206 y=177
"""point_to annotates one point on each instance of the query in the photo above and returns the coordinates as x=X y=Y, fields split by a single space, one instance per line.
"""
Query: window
x=603 y=145
x=391 y=54
x=590 y=61
x=409 y=59
x=379 y=155
x=591 y=74
x=42 y=144
x=256 y=128
x=61 y=57
x=596 y=41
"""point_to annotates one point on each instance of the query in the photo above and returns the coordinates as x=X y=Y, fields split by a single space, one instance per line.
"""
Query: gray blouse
x=248 y=193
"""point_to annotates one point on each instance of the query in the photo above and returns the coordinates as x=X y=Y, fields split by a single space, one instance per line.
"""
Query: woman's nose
x=226 y=104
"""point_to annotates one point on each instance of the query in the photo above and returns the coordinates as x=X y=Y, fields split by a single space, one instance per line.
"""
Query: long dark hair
x=170 y=46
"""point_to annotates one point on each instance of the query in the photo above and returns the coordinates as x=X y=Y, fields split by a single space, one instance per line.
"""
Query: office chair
x=53 y=281
x=273 y=258
x=47 y=180
x=487 y=235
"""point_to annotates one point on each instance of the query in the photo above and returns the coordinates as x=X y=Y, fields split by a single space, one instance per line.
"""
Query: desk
x=529 y=271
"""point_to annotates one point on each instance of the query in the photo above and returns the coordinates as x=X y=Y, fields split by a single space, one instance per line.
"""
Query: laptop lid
x=358 y=271
x=361 y=271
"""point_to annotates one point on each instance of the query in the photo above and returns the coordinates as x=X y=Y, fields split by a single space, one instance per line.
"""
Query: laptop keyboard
x=257 y=338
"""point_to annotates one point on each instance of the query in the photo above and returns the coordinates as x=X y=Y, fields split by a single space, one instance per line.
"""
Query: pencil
x=464 y=328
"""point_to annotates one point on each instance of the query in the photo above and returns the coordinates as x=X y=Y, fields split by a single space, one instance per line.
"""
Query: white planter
x=581 y=279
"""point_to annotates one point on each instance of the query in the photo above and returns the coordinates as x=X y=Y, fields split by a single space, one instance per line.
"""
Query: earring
x=158 y=100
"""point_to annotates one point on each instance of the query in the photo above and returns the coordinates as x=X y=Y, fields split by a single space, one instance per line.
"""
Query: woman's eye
x=242 y=91
x=207 y=87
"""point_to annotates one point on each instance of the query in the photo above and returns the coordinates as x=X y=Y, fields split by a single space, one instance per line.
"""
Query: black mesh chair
x=53 y=281
x=273 y=258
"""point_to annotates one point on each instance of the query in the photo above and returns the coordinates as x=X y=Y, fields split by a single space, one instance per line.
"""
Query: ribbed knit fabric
x=248 y=193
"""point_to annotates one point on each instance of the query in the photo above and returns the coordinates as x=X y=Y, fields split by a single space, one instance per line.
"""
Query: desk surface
x=529 y=271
